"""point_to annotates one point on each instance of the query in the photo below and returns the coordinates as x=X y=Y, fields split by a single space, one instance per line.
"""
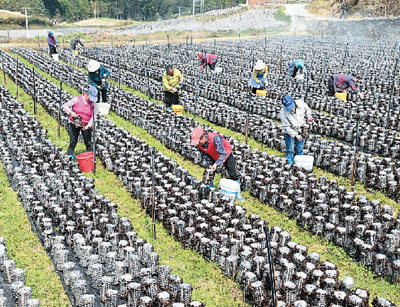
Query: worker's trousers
x=73 y=138
x=291 y=144
x=53 y=50
x=171 y=99
x=344 y=14
x=103 y=93
x=212 y=66
x=230 y=166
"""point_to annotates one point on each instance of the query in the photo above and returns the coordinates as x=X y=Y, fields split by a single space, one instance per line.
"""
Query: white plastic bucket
x=229 y=188
x=218 y=69
x=103 y=108
x=56 y=57
x=304 y=161
x=300 y=76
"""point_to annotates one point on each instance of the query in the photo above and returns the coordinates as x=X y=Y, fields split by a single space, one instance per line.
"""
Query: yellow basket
x=75 y=52
x=178 y=109
x=262 y=92
x=342 y=96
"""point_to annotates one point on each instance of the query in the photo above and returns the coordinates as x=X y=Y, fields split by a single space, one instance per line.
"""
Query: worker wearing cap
x=258 y=77
x=216 y=151
x=208 y=59
x=341 y=83
x=296 y=66
x=172 y=81
x=81 y=107
x=293 y=116
x=52 y=42
x=97 y=78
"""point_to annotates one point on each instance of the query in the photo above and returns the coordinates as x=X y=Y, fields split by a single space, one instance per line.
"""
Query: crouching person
x=216 y=151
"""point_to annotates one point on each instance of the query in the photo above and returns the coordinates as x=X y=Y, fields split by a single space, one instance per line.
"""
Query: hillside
x=363 y=8
x=141 y=10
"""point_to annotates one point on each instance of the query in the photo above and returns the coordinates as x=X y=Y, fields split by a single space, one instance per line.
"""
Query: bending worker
x=340 y=83
x=52 y=42
x=97 y=78
x=216 y=151
x=293 y=119
x=258 y=77
x=296 y=67
x=208 y=59
x=172 y=81
x=80 y=114
x=74 y=43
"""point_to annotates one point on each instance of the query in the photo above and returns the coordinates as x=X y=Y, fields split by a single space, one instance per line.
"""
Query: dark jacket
x=95 y=77
x=75 y=42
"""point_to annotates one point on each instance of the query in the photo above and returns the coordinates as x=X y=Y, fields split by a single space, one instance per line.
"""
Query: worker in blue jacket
x=295 y=67
x=97 y=77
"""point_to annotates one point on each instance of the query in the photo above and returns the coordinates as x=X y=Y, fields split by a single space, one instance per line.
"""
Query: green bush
x=281 y=16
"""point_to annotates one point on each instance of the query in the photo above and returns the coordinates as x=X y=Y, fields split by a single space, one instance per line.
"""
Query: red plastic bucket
x=85 y=161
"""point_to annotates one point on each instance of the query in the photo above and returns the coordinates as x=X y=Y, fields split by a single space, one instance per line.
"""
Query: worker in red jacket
x=216 y=151
x=208 y=59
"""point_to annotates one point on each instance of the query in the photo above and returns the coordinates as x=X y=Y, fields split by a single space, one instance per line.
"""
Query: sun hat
x=93 y=93
x=196 y=135
x=93 y=65
x=260 y=65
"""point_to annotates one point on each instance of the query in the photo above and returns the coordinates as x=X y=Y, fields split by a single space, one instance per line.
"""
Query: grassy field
x=328 y=251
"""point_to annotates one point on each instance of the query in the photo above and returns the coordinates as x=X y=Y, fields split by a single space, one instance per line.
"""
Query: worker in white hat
x=97 y=77
x=258 y=77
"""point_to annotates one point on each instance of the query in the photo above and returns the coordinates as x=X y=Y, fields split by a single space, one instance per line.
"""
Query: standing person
x=258 y=77
x=80 y=114
x=296 y=66
x=344 y=7
x=97 y=78
x=52 y=42
x=172 y=81
x=208 y=59
x=74 y=43
x=340 y=83
x=293 y=116
x=216 y=151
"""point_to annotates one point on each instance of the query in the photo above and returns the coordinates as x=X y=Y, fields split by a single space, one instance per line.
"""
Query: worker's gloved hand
x=213 y=167
x=299 y=137
x=310 y=118
x=175 y=90
x=103 y=83
x=73 y=114
x=88 y=126
x=104 y=76
x=180 y=83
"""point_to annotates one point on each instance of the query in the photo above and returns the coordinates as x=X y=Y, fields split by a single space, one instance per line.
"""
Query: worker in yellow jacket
x=172 y=85
x=258 y=77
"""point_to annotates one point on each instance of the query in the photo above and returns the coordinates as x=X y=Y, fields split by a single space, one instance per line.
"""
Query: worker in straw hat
x=293 y=116
x=97 y=78
x=216 y=151
x=80 y=114
x=208 y=59
x=258 y=77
